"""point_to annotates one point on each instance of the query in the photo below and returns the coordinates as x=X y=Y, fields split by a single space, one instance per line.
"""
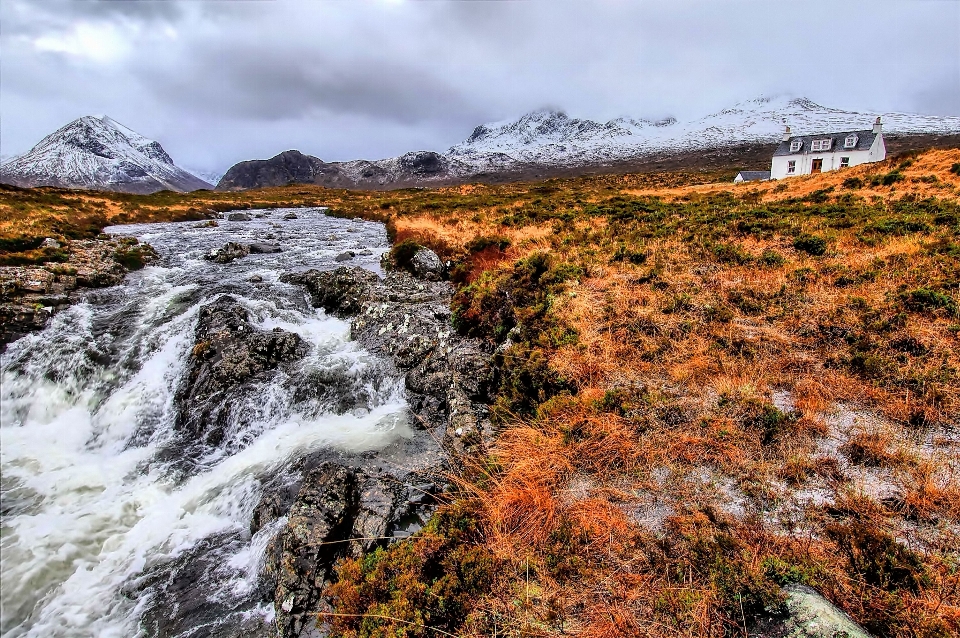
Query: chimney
x=877 y=126
x=786 y=134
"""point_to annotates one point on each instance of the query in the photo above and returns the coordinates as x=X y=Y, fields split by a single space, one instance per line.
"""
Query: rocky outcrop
x=228 y=252
x=448 y=378
x=30 y=295
x=808 y=615
x=337 y=511
x=229 y=353
x=340 y=292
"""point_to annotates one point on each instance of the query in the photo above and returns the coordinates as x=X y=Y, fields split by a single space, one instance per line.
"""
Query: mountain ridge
x=547 y=139
x=97 y=152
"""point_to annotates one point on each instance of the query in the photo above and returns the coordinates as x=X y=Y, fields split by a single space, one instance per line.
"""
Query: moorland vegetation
x=706 y=392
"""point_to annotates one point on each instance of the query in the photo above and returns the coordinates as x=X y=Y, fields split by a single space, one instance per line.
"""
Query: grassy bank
x=706 y=391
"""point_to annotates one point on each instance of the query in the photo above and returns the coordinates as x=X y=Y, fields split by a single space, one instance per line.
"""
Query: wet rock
x=258 y=248
x=177 y=598
x=345 y=256
x=427 y=265
x=339 y=292
x=290 y=216
x=238 y=217
x=210 y=223
x=228 y=252
x=448 y=378
x=255 y=279
x=30 y=295
x=229 y=352
x=17 y=320
x=301 y=556
x=337 y=512
x=808 y=615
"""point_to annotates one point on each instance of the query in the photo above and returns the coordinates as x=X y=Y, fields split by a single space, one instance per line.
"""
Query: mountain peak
x=100 y=153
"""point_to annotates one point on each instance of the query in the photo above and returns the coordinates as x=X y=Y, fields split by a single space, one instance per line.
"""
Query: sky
x=220 y=81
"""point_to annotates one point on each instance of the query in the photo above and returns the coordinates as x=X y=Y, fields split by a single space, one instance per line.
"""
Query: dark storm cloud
x=283 y=84
x=218 y=80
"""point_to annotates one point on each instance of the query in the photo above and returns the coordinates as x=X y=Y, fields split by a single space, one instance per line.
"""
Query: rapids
x=92 y=497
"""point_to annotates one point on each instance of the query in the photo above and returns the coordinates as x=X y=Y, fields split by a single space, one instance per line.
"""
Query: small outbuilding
x=751 y=176
x=806 y=154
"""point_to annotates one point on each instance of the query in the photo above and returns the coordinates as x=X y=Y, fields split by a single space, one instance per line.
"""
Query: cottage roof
x=864 y=142
x=751 y=176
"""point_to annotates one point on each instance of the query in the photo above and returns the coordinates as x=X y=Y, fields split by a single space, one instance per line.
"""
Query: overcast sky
x=219 y=81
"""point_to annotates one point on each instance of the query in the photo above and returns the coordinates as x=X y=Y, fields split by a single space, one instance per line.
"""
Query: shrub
x=927 y=300
x=416 y=587
x=955 y=169
x=482 y=243
x=730 y=254
x=624 y=254
x=811 y=244
x=401 y=255
x=772 y=258
x=853 y=183
x=879 y=559
x=888 y=179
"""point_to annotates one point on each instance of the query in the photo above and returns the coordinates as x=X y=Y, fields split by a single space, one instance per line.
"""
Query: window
x=850 y=142
x=791 y=167
x=844 y=162
x=795 y=145
x=820 y=145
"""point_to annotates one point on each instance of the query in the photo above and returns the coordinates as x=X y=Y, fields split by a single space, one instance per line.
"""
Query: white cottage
x=806 y=154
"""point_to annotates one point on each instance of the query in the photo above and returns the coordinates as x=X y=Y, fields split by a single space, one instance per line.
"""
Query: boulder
x=229 y=353
x=340 y=292
x=345 y=256
x=228 y=252
x=238 y=217
x=258 y=248
x=427 y=265
x=808 y=615
x=290 y=216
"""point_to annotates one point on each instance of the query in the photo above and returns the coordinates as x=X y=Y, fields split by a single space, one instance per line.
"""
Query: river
x=92 y=497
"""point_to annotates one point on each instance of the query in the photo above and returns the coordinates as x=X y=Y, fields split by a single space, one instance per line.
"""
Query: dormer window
x=820 y=145
x=795 y=145
x=850 y=141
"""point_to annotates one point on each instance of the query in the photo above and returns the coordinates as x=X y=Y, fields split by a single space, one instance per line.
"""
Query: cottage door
x=817 y=166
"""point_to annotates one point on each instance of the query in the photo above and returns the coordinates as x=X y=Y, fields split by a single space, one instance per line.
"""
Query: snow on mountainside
x=551 y=138
x=548 y=139
x=99 y=153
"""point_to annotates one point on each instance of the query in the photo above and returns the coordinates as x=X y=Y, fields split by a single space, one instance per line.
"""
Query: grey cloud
x=219 y=81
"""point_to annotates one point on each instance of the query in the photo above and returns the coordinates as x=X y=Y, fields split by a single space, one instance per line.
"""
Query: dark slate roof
x=752 y=176
x=864 y=142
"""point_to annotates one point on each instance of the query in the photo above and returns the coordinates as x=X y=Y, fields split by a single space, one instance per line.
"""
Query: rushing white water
x=92 y=497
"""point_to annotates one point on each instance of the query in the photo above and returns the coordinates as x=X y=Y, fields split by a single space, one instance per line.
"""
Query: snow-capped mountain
x=546 y=140
x=551 y=138
x=99 y=153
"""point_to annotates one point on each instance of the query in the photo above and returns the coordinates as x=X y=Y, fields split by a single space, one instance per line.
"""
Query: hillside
x=99 y=153
x=705 y=392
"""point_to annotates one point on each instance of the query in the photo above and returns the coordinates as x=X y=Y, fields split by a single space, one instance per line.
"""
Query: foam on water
x=89 y=501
